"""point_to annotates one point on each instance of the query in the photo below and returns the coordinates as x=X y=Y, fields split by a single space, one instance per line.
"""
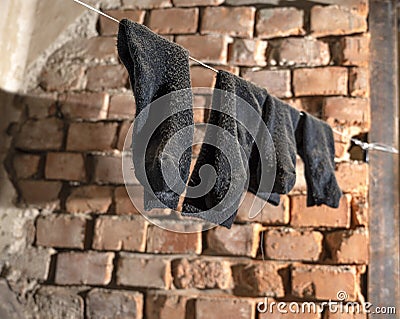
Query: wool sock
x=158 y=68
x=316 y=147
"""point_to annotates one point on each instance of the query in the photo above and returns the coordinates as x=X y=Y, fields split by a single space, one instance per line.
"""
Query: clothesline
x=364 y=145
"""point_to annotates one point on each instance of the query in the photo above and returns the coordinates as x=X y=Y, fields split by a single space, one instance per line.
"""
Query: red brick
x=229 y=307
x=108 y=170
x=122 y=106
x=320 y=81
x=194 y=3
x=319 y=216
x=247 y=52
x=359 y=211
x=174 y=21
x=61 y=231
x=102 y=303
x=26 y=165
x=240 y=240
x=293 y=244
x=44 y=135
x=359 y=85
x=301 y=51
x=123 y=135
x=347 y=315
x=259 y=278
x=165 y=305
x=39 y=106
x=353 y=177
x=199 y=106
x=167 y=242
x=352 y=50
x=108 y=27
x=146 y=4
x=56 y=78
x=91 y=136
x=211 y=48
x=324 y=282
x=202 y=273
x=349 y=246
x=123 y=204
x=279 y=22
x=41 y=194
x=120 y=233
x=98 y=48
x=84 y=105
x=236 y=22
x=337 y=20
x=65 y=166
x=205 y=78
x=267 y=213
x=86 y=268
x=150 y=271
x=347 y=112
x=277 y=82
x=89 y=199
x=102 y=77
x=289 y=310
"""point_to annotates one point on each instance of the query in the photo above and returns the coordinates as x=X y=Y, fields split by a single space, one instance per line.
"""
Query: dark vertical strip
x=383 y=274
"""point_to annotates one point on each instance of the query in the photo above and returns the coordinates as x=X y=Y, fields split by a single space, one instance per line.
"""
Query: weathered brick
x=89 y=199
x=228 y=307
x=293 y=244
x=267 y=213
x=279 y=22
x=56 y=78
x=337 y=20
x=349 y=246
x=353 y=177
x=355 y=314
x=41 y=194
x=123 y=203
x=240 y=240
x=102 y=77
x=236 y=22
x=123 y=137
x=319 y=216
x=194 y=3
x=324 y=282
x=122 y=106
x=39 y=106
x=211 y=48
x=91 y=136
x=150 y=271
x=247 y=52
x=277 y=82
x=301 y=184
x=146 y=4
x=165 y=305
x=259 y=278
x=166 y=242
x=102 y=303
x=289 y=310
x=320 y=81
x=61 y=231
x=86 y=268
x=359 y=85
x=84 y=105
x=202 y=273
x=347 y=112
x=108 y=170
x=301 y=51
x=26 y=165
x=108 y=27
x=98 y=48
x=120 y=233
x=205 y=78
x=310 y=104
x=65 y=166
x=199 y=106
x=352 y=50
x=359 y=210
x=59 y=302
x=44 y=134
x=174 y=21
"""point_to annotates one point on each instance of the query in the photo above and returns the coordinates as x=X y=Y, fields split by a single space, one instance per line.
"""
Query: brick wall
x=103 y=258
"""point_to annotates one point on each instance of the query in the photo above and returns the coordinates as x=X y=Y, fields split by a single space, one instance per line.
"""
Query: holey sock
x=162 y=133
